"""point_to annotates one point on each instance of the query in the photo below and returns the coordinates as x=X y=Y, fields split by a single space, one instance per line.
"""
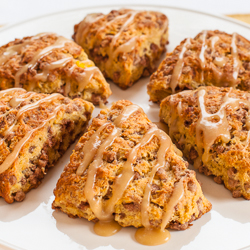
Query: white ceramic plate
x=33 y=225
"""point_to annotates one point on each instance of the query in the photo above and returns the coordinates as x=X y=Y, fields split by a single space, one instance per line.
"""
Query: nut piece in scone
x=129 y=151
x=48 y=63
x=35 y=131
x=125 y=44
x=212 y=58
x=211 y=125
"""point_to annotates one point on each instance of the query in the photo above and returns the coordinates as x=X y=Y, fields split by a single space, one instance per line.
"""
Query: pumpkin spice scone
x=211 y=125
x=35 y=130
x=125 y=44
x=48 y=63
x=212 y=58
x=125 y=166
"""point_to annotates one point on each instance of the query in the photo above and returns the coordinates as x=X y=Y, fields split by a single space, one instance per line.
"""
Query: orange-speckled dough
x=49 y=73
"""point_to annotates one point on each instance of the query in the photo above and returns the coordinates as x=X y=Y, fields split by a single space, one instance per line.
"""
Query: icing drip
x=104 y=212
x=93 y=159
x=106 y=228
x=51 y=66
x=221 y=78
x=174 y=200
x=15 y=49
x=213 y=41
x=211 y=126
x=115 y=46
x=84 y=26
x=161 y=154
x=126 y=47
x=202 y=54
x=94 y=142
x=152 y=236
x=236 y=61
x=9 y=160
x=85 y=77
x=59 y=43
x=30 y=107
x=208 y=129
x=124 y=116
x=96 y=203
x=216 y=72
x=82 y=78
x=220 y=61
x=102 y=105
x=91 y=147
x=178 y=67
x=5 y=92
x=173 y=119
x=15 y=102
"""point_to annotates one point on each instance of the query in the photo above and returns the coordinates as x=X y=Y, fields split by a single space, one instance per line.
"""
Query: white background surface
x=33 y=225
x=18 y=10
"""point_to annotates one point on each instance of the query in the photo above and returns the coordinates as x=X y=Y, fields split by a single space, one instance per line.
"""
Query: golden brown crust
x=69 y=192
x=146 y=35
x=218 y=45
x=228 y=161
x=43 y=76
x=54 y=124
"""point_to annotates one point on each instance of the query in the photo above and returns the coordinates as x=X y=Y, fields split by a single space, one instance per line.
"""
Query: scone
x=124 y=165
x=35 y=130
x=48 y=63
x=212 y=58
x=125 y=43
x=211 y=125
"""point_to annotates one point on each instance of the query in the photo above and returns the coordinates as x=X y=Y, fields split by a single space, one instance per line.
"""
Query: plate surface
x=33 y=225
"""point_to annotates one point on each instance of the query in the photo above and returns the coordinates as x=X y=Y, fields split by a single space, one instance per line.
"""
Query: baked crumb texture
x=70 y=190
x=211 y=125
x=48 y=63
x=125 y=44
x=35 y=131
x=212 y=58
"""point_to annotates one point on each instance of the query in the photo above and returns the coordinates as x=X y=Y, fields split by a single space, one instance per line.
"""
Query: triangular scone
x=48 y=63
x=125 y=44
x=211 y=125
x=35 y=131
x=136 y=150
x=211 y=58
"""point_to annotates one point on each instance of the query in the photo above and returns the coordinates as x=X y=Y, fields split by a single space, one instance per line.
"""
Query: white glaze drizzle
x=178 y=67
x=202 y=54
x=9 y=160
x=104 y=210
x=213 y=125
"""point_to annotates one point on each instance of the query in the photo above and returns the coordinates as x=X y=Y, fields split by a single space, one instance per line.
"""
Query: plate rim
x=15 y=24
x=229 y=19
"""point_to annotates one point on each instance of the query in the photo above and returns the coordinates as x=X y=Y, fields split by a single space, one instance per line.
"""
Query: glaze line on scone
x=211 y=125
x=35 y=130
x=211 y=58
x=48 y=63
x=125 y=44
x=128 y=161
